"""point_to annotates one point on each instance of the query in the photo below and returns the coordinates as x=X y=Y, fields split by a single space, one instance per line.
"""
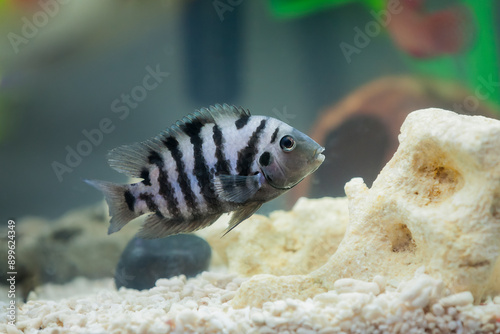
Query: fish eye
x=287 y=143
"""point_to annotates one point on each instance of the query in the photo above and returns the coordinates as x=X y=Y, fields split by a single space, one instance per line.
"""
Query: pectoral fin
x=242 y=214
x=237 y=188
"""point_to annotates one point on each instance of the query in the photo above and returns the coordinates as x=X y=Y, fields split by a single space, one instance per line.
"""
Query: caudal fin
x=118 y=207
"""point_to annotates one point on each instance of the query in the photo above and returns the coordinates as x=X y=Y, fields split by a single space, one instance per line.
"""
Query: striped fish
x=217 y=160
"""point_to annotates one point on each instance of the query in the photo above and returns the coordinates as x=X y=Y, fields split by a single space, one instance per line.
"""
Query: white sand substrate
x=202 y=305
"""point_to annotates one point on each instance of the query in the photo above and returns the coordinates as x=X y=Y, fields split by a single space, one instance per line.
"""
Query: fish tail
x=120 y=209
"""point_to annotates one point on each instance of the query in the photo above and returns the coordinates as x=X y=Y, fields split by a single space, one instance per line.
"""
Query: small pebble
x=430 y=317
x=227 y=296
x=144 y=261
x=422 y=300
x=473 y=325
x=488 y=328
x=279 y=307
x=11 y=329
x=452 y=325
x=344 y=285
x=327 y=297
x=381 y=282
x=187 y=317
x=372 y=311
x=258 y=318
x=452 y=311
x=458 y=299
x=437 y=309
x=266 y=330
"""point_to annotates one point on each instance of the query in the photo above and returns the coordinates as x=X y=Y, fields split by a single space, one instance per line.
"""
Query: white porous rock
x=436 y=204
x=285 y=243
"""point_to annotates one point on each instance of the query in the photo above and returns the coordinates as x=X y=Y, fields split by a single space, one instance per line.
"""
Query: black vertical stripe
x=201 y=169
x=275 y=133
x=222 y=165
x=154 y=158
x=241 y=122
x=129 y=199
x=246 y=156
x=167 y=192
x=152 y=206
x=165 y=188
x=183 y=180
x=145 y=175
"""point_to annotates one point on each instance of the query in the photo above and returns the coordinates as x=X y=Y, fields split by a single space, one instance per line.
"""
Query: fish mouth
x=317 y=159
x=317 y=156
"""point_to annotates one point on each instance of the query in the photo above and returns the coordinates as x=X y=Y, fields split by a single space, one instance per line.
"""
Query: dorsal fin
x=132 y=159
x=218 y=111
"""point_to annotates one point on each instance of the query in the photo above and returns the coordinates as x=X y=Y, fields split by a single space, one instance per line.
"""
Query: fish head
x=290 y=158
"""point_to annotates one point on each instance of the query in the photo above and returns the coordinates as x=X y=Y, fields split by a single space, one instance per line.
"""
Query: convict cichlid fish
x=217 y=160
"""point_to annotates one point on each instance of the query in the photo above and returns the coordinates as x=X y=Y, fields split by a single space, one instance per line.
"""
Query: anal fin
x=157 y=226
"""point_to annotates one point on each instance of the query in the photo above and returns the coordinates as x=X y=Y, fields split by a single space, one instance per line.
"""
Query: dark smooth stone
x=144 y=261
